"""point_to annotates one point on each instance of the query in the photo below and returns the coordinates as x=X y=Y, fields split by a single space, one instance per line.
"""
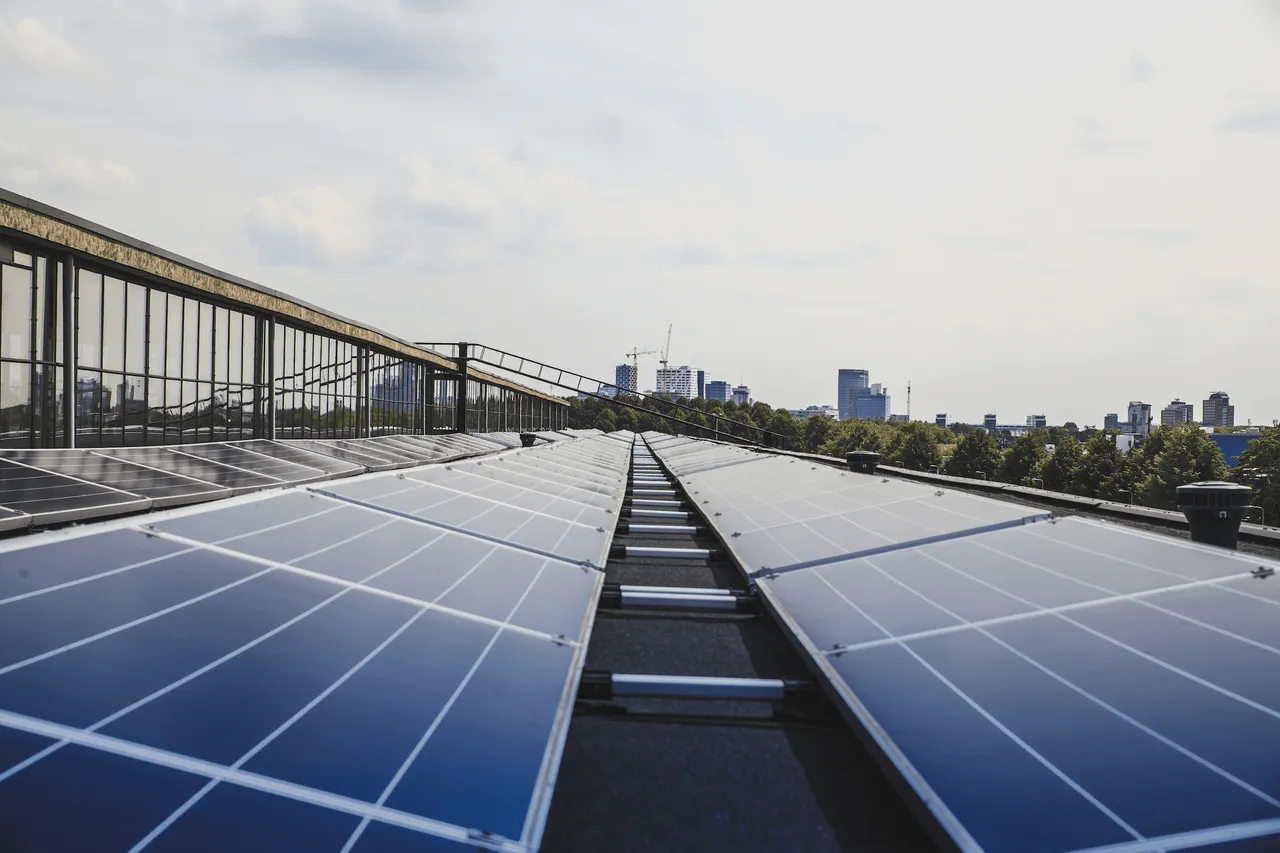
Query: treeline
x=1148 y=474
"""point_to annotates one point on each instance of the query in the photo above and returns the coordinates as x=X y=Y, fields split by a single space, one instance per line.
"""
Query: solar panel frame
x=13 y=520
x=79 y=500
x=827 y=658
x=542 y=766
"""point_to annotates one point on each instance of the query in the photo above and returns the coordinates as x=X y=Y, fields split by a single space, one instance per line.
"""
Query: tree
x=1103 y=472
x=1259 y=467
x=816 y=430
x=976 y=455
x=919 y=450
x=783 y=424
x=1023 y=459
x=1059 y=469
x=851 y=435
x=1056 y=435
x=606 y=420
x=1188 y=455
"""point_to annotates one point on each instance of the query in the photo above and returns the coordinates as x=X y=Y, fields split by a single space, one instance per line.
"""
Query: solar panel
x=292 y=667
x=247 y=460
x=506 y=439
x=50 y=498
x=1068 y=686
x=291 y=452
x=195 y=467
x=367 y=447
x=162 y=487
x=337 y=449
x=13 y=520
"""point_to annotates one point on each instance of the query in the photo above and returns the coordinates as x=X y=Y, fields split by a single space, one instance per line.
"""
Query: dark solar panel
x=1112 y=684
x=291 y=451
x=50 y=498
x=406 y=449
x=505 y=439
x=254 y=462
x=336 y=450
x=366 y=447
x=162 y=487
x=195 y=467
x=296 y=668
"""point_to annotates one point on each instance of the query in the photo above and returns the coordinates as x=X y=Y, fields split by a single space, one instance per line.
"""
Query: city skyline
x=1063 y=236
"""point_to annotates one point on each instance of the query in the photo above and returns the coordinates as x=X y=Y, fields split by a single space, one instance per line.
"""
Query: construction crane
x=634 y=355
x=908 y=400
x=666 y=351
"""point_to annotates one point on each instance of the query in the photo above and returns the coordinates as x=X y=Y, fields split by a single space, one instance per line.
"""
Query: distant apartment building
x=1111 y=421
x=814 y=411
x=1177 y=413
x=899 y=419
x=871 y=403
x=1218 y=411
x=1037 y=422
x=742 y=395
x=1139 y=418
x=721 y=391
x=849 y=383
x=702 y=385
x=676 y=381
x=989 y=422
x=624 y=377
x=940 y=419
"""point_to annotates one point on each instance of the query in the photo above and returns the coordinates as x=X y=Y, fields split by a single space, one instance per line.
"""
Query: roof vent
x=863 y=461
x=1214 y=511
x=527 y=439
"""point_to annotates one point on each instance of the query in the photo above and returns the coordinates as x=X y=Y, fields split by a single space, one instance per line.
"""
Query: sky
x=1018 y=207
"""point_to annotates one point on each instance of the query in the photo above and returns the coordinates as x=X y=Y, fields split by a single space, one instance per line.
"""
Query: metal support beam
x=631 y=551
x=69 y=307
x=626 y=527
x=611 y=685
x=460 y=395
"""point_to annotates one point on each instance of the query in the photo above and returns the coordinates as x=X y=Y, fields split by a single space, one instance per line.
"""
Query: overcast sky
x=1020 y=207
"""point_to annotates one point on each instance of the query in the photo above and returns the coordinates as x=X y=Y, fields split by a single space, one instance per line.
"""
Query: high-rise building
x=871 y=403
x=718 y=390
x=742 y=395
x=624 y=377
x=812 y=412
x=1037 y=422
x=1177 y=413
x=1140 y=418
x=1218 y=411
x=702 y=385
x=940 y=419
x=988 y=422
x=1111 y=421
x=676 y=381
x=850 y=381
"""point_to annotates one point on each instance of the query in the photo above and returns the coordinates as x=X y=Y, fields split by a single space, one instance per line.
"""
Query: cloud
x=308 y=227
x=1152 y=236
x=1096 y=139
x=1260 y=117
x=1140 y=69
x=30 y=43
x=359 y=42
x=58 y=170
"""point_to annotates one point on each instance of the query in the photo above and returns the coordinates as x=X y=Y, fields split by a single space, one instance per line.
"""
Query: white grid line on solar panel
x=533 y=465
x=539 y=507
x=333 y=449
x=212 y=770
x=246 y=447
x=579 y=455
x=903 y=643
x=167 y=489
x=490 y=474
x=1243 y=831
x=367 y=446
x=129 y=453
x=61 y=466
x=239 y=763
x=282 y=472
x=504 y=539
x=502 y=467
x=708 y=466
x=410 y=448
x=44 y=508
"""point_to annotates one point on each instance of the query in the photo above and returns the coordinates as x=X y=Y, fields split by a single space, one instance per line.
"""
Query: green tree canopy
x=977 y=454
x=919 y=450
x=1022 y=460
x=816 y=430
x=1103 y=472
x=1259 y=466
x=1188 y=455
x=1059 y=469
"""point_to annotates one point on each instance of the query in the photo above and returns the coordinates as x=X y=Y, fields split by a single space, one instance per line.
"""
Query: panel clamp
x=1262 y=572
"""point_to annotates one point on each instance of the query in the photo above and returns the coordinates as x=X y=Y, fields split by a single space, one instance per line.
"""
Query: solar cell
x=1047 y=687
x=207 y=470
x=289 y=666
x=162 y=487
x=49 y=498
x=291 y=452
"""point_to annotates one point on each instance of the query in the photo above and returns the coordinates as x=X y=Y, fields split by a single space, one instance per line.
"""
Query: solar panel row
x=1055 y=686
x=305 y=670
x=53 y=486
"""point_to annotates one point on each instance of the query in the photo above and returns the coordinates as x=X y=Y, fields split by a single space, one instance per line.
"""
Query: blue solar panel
x=290 y=670
x=1068 y=686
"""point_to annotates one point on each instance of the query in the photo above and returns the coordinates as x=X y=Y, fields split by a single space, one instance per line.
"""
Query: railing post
x=69 y=303
x=460 y=395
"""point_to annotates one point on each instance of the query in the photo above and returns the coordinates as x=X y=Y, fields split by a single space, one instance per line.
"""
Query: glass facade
x=156 y=364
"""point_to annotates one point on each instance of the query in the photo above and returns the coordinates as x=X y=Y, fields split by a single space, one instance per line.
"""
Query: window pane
x=208 y=347
x=47 y=423
x=15 y=312
x=173 y=345
x=224 y=354
x=248 y=350
x=113 y=324
x=89 y=319
x=135 y=335
x=92 y=402
x=190 y=342
x=157 y=333
x=15 y=403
